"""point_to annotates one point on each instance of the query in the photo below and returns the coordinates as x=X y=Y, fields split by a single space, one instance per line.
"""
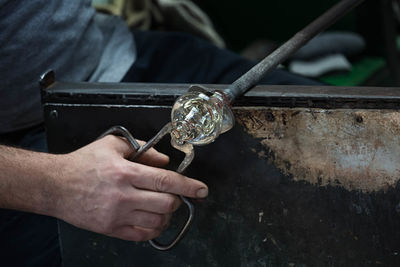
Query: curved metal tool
x=189 y=155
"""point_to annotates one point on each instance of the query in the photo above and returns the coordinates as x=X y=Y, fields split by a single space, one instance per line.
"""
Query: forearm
x=27 y=180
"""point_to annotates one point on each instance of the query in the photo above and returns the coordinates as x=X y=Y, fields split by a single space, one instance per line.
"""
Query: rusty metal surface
x=353 y=149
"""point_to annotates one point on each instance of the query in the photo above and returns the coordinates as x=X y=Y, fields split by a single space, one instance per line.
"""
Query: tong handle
x=154 y=243
x=122 y=131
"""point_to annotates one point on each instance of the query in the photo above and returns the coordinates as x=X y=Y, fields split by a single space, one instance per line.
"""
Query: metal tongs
x=239 y=87
x=139 y=150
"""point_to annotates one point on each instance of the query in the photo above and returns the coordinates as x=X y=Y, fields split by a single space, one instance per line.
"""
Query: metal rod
x=254 y=75
x=152 y=142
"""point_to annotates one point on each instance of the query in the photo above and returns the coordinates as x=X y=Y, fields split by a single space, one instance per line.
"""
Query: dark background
x=241 y=23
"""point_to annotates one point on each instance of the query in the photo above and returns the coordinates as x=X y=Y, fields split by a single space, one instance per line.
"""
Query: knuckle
x=120 y=174
x=111 y=199
x=140 y=236
x=162 y=182
x=170 y=204
x=154 y=233
x=117 y=199
x=146 y=235
x=157 y=221
x=110 y=138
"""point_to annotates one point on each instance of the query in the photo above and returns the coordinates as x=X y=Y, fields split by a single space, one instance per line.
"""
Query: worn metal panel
x=354 y=149
x=288 y=186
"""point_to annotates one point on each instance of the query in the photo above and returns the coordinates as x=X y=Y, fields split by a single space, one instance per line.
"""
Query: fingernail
x=202 y=192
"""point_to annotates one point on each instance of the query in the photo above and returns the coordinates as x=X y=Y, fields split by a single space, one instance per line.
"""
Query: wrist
x=50 y=179
x=28 y=180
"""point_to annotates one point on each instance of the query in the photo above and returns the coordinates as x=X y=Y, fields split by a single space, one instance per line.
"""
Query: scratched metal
x=355 y=149
x=277 y=197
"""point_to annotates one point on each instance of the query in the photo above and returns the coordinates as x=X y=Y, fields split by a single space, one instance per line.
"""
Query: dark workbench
x=264 y=209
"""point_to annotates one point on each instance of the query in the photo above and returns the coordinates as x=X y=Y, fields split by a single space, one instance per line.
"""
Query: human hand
x=99 y=190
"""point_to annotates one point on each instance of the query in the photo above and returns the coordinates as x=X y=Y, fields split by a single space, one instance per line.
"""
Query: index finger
x=160 y=180
x=152 y=157
x=123 y=147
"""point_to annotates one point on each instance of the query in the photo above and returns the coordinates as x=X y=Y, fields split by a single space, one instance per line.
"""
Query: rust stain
x=356 y=149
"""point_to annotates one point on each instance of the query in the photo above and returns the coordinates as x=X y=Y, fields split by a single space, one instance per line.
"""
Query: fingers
x=143 y=226
x=135 y=233
x=156 y=202
x=122 y=146
x=161 y=180
x=147 y=219
x=152 y=157
x=119 y=144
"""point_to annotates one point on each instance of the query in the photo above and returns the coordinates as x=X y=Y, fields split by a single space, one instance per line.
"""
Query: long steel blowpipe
x=253 y=76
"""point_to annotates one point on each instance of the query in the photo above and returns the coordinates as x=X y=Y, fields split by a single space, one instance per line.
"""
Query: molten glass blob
x=199 y=117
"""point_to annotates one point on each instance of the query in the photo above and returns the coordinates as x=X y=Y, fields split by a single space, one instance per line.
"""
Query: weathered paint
x=301 y=224
x=356 y=149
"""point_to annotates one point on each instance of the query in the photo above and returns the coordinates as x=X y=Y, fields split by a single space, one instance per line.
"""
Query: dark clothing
x=66 y=36
x=165 y=57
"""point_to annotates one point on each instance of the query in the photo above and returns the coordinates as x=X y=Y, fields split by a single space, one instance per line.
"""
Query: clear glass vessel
x=200 y=116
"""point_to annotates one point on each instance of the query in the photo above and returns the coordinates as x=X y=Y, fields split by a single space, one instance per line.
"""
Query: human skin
x=96 y=188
